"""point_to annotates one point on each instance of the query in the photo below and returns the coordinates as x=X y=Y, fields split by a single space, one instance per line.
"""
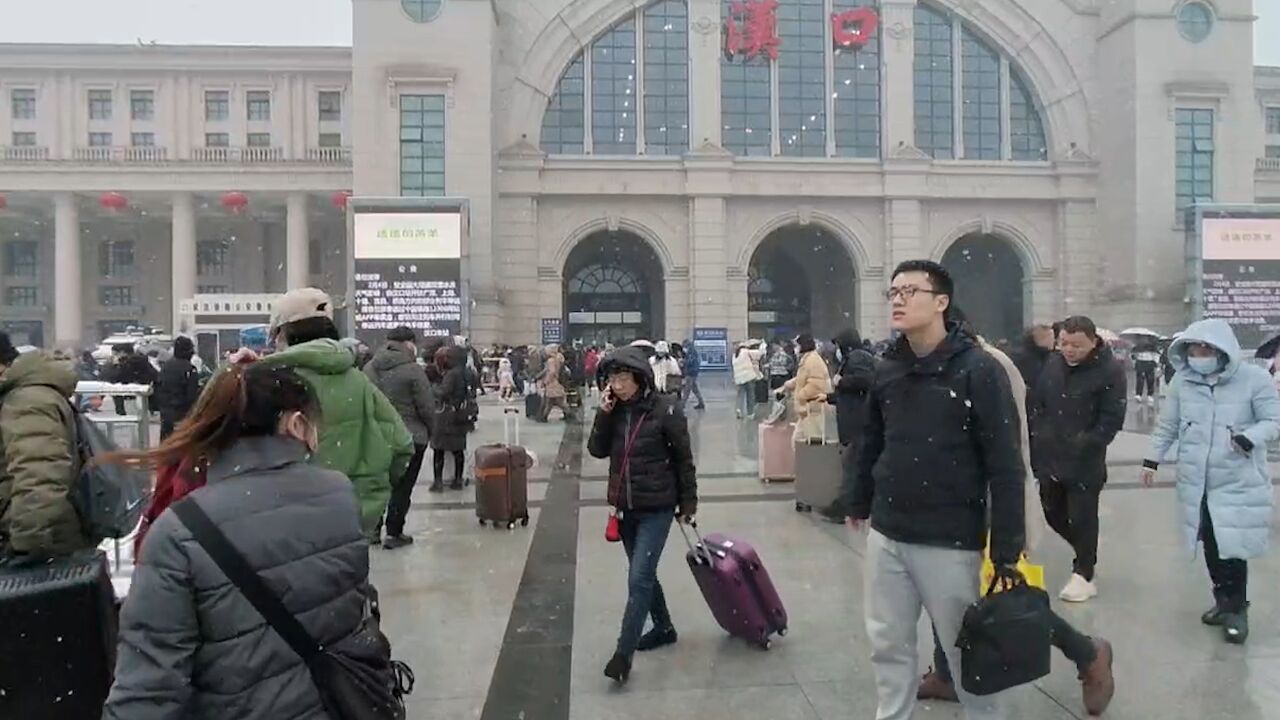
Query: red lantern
x=236 y=202
x=113 y=201
x=4 y=203
x=340 y=199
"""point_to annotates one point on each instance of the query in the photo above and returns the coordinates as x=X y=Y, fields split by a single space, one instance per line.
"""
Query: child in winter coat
x=506 y=380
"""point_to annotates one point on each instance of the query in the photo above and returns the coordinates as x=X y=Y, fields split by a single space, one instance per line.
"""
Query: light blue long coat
x=1202 y=414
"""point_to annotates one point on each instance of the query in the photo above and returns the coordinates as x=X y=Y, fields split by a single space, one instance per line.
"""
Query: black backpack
x=109 y=498
x=1005 y=639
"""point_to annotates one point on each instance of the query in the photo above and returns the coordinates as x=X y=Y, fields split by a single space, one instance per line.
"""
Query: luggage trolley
x=137 y=420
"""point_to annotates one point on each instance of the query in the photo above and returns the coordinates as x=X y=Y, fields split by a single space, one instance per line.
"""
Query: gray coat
x=397 y=374
x=191 y=646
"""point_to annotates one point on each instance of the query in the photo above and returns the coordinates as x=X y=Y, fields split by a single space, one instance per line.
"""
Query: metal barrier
x=120 y=552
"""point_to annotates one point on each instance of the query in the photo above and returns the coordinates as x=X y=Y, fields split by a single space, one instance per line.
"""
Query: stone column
x=297 y=243
x=68 y=311
x=707 y=261
x=897 y=51
x=184 y=255
x=705 y=46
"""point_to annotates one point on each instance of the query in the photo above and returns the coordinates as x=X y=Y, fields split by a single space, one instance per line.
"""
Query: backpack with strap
x=109 y=498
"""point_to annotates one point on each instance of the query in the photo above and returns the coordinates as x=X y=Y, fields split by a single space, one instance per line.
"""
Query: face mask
x=1203 y=365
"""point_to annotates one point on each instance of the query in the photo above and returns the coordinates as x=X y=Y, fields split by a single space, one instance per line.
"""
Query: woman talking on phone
x=652 y=480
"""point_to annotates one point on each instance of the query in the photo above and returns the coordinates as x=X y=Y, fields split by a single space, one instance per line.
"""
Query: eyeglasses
x=906 y=293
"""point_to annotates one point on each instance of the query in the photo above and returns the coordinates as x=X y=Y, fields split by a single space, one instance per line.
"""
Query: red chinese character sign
x=854 y=28
x=751 y=29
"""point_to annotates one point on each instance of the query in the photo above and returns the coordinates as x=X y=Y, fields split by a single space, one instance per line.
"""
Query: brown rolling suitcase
x=502 y=478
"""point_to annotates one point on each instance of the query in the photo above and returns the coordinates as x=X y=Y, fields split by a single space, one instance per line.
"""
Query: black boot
x=1235 y=626
x=656 y=638
x=437 y=486
x=618 y=669
x=457 y=484
x=1214 y=615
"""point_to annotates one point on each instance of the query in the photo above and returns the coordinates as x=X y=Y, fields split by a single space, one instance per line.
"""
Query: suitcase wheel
x=766 y=480
x=782 y=632
x=803 y=507
x=524 y=521
x=766 y=644
x=482 y=522
x=511 y=525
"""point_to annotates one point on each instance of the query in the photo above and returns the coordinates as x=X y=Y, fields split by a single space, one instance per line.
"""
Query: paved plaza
x=517 y=625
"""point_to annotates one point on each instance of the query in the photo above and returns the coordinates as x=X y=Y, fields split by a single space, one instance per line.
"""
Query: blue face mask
x=1203 y=365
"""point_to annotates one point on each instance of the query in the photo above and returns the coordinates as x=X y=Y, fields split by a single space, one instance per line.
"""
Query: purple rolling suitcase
x=736 y=587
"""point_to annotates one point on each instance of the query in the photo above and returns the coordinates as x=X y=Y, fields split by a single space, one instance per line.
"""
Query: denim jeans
x=747 y=398
x=644 y=535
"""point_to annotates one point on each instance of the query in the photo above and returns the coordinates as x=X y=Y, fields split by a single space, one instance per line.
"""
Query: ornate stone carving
x=908 y=152
x=704 y=25
x=612 y=222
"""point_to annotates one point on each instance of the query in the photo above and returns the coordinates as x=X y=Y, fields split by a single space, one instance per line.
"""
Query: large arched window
x=601 y=279
x=997 y=117
x=629 y=88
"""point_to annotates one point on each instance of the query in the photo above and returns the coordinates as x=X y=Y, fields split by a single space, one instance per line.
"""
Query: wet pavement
x=509 y=625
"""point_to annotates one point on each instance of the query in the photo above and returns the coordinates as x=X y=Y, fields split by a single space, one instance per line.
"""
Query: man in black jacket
x=1074 y=414
x=1037 y=346
x=652 y=479
x=178 y=386
x=129 y=368
x=942 y=434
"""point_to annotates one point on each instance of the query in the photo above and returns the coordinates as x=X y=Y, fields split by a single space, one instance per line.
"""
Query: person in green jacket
x=361 y=434
x=37 y=459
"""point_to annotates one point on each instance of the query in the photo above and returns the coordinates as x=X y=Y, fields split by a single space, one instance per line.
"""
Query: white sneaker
x=1078 y=589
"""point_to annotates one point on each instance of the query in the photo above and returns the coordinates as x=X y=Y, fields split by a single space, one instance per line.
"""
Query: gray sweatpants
x=899 y=579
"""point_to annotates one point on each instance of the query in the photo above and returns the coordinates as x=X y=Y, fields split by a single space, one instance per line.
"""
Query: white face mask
x=1203 y=365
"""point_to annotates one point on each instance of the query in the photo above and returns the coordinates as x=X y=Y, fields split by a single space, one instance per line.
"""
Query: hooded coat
x=191 y=644
x=811 y=384
x=361 y=434
x=1202 y=414
x=857 y=370
x=659 y=473
x=37 y=458
x=395 y=370
x=450 y=425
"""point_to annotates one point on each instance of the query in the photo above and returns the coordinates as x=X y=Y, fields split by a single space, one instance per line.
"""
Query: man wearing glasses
x=942 y=435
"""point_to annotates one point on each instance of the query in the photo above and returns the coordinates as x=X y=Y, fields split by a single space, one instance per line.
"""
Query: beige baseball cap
x=300 y=304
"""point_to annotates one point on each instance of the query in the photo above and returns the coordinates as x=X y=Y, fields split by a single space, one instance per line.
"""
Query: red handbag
x=612 y=533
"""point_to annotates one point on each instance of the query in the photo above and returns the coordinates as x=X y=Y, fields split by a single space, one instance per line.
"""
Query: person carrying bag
x=1006 y=637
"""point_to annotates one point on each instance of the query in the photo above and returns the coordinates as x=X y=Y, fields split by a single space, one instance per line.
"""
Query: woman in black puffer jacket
x=652 y=479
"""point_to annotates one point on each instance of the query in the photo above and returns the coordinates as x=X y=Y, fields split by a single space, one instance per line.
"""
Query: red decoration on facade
x=854 y=28
x=340 y=199
x=235 y=201
x=113 y=201
x=751 y=29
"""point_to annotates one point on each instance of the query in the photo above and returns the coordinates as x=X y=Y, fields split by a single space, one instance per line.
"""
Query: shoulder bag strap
x=248 y=582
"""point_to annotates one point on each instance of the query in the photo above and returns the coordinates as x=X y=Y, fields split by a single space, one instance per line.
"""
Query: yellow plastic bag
x=1032 y=572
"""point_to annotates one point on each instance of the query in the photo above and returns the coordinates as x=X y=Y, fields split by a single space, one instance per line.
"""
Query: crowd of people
x=952 y=448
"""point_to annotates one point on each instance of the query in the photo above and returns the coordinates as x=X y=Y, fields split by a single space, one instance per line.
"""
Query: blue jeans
x=644 y=535
x=747 y=398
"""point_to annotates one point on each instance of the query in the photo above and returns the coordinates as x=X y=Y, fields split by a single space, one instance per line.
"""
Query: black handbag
x=1005 y=639
x=356 y=677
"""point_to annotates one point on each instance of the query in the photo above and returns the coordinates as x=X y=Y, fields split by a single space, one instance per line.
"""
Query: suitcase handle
x=693 y=548
x=506 y=434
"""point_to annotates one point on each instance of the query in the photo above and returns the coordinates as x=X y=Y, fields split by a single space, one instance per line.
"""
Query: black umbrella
x=1268 y=349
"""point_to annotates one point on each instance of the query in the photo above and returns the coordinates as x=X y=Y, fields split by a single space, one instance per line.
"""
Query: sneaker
x=396 y=541
x=1097 y=683
x=934 y=687
x=1078 y=589
x=1235 y=626
x=656 y=638
x=618 y=669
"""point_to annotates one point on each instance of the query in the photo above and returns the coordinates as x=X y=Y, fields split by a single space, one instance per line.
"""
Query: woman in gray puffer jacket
x=191 y=645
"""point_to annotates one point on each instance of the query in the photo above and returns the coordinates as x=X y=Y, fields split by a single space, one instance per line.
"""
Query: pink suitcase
x=736 y=587
x=777 y=452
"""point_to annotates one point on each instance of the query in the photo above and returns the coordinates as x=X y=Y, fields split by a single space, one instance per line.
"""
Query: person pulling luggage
x=652 y=480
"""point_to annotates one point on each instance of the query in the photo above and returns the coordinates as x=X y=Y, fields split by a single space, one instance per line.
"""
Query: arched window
x=638 y=97
x=563 y=123
x=998 y=118
x=605 y=280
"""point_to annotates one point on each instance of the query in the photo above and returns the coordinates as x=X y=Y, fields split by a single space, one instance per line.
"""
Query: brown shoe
x=1097 y=683
x=933 y=687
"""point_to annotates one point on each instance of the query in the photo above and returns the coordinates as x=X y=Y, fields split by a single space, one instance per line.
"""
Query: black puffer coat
x=659 y=474
x=177 y=389
x=451 y=426
x=1074 y=414
x=857 y=370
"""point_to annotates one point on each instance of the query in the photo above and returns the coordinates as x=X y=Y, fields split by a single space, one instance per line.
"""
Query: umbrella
x=1107 y=335
x=642 y=343
x=1140 y=332
x=1268 y=348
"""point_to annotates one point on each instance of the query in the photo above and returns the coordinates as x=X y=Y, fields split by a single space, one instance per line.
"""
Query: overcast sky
x=282 y=22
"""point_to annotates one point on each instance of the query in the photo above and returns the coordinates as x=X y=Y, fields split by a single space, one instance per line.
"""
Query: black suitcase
x=57 y=639
x=533 y=407
x=762 y=391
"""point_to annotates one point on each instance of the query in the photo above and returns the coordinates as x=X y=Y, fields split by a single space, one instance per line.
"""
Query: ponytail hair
x=244 y=400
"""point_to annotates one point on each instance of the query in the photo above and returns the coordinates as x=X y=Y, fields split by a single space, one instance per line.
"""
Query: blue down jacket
x=1202 y=414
